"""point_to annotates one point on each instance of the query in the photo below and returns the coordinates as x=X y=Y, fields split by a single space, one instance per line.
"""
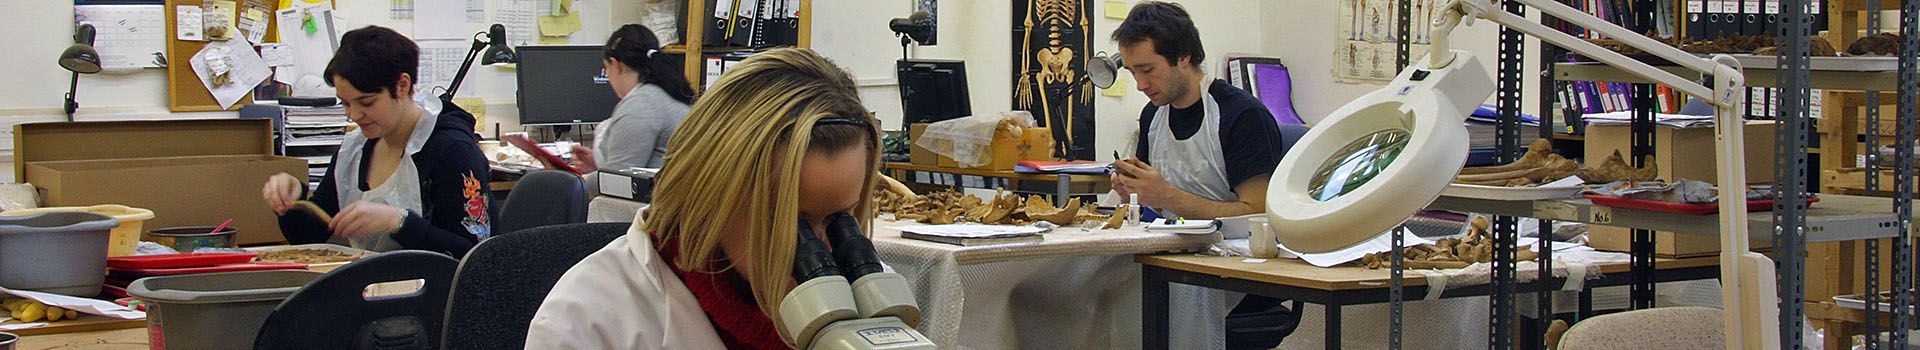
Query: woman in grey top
x=654 y=97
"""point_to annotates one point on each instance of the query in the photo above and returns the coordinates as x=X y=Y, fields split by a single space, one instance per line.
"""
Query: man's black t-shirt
x=1249 y=137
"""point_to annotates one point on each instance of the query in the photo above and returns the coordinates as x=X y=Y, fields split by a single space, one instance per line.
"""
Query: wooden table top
x=1298 y=273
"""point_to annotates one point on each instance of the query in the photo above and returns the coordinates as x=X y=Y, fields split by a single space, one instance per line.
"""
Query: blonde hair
x=736 y=159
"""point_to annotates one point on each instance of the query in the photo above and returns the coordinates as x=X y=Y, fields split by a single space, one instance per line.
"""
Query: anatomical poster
x=1050 y=39
x=1368 y=34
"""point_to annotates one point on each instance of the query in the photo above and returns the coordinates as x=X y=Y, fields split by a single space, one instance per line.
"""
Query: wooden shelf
x=694 y=66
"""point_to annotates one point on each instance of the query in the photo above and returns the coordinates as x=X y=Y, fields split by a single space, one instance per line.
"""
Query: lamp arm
x=1488 y=9
x=1749 y=315
x=464 y=65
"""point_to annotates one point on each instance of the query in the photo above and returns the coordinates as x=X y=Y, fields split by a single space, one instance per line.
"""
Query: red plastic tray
x=174 y=261
x=252 y=266
x=1680 y=208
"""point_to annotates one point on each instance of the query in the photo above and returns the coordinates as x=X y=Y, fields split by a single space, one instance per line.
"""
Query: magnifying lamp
x=80 y=58
x=1380 y=158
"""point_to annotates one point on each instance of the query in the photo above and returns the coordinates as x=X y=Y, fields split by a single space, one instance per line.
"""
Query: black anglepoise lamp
x=1101 y=71
x=498 y=52
x=916 y=28
x=79 y=59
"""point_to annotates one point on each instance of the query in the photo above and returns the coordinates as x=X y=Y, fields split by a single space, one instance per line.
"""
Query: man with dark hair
x=1205 y=149
x=405 y=179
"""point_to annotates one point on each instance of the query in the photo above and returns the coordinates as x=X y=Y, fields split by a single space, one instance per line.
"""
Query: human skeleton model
x=1055 y=61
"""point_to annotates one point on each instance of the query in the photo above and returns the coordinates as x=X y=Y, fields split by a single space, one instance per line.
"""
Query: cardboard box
x=1665 y=244
x=1006 y=150
x=189 y=172
x=920 y=155
x=1680 y=154
x=1010 y=149
x=1686 y=153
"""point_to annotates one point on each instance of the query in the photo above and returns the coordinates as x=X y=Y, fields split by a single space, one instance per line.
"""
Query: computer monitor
x=563 y=85
x=932 y=90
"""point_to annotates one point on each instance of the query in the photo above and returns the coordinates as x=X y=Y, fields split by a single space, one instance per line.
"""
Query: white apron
x=402 y=189
x=1195 y=165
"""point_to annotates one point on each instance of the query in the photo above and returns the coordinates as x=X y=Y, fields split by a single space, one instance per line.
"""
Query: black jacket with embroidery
x=454 y=190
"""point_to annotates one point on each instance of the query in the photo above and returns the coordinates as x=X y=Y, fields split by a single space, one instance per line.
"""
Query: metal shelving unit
x=1837 y=218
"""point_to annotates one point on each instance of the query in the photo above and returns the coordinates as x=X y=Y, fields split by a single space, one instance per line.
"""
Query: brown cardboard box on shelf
x=1686 y=153
x=1010 y=149
x=1665 y=244
x=920 y=155
x=1006 y=150
x=1680 y=153
x=189 y=172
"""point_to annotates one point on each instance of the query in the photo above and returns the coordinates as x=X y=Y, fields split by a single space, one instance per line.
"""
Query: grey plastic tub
x=214 y=310
x=60 y=253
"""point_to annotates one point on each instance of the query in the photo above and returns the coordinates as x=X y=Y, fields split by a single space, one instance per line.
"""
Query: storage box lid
x=38 y=142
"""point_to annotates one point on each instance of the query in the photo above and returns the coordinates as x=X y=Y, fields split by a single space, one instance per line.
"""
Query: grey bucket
x=214 y=310
x=60 y=252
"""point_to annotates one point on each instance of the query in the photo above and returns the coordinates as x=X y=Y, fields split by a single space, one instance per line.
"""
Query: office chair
x=543 y=197
x=503 y=280
x=333 y=311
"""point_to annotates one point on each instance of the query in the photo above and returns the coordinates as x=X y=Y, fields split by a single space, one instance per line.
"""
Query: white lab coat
x=622 y=297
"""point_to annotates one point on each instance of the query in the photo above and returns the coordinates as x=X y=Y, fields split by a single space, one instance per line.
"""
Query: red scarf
x=729 y=304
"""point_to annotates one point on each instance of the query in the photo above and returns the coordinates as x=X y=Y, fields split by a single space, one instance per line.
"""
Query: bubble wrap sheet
x=1077 y=289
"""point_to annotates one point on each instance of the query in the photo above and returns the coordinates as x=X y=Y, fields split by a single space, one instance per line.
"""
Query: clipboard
x=520 y=140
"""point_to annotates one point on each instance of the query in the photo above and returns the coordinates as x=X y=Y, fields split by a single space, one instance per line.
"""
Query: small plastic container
x=58 y=252
x=125 y=237
x=214 y=310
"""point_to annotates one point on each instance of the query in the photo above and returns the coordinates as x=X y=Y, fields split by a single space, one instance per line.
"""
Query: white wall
x=1301 y=32
x=854 y=34
x=35 y=85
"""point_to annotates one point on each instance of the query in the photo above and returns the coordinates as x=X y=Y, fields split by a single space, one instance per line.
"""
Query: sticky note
x=1117 y=9
x=477 y=107
x=1119 y=88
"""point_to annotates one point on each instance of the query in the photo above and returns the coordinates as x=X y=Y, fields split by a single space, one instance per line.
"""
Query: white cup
x=1260 y=241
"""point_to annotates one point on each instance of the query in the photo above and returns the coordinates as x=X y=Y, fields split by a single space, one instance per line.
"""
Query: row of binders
x=718 y=63
x=753 y=23
x=1707 y=19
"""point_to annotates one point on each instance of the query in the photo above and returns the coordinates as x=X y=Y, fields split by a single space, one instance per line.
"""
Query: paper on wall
x=82 y=305
x=439 y=61
x=477 y=107
x=188 y=23
x=276 y=54
x=561 y=23
x=518 y=16
x=440 y=19
x=126 y=36
x=476 y=11
x=253 y=24
x=401 y=10
x=311 y=51
x=220 y=14
x=246 y=72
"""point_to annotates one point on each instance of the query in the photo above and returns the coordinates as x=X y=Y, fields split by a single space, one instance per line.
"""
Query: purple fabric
x=1276 y=91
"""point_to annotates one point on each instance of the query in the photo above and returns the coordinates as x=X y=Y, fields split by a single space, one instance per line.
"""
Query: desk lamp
x=79 y=59
x=1378 y=157
x=498 y=52
x=1101 y=71
x=916 y=28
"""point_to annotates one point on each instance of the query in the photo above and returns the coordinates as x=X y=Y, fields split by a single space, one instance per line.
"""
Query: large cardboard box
x=1007 y=148
x=1010 y=149
x=920 y=155
x=189 y=172
x=1680 y=153
x=1665 y=244
x=1686 y=153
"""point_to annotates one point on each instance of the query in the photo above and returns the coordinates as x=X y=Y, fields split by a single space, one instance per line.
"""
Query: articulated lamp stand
x=1747 y=279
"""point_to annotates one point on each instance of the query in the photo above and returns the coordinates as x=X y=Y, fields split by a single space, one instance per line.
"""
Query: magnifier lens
x=1357 y=163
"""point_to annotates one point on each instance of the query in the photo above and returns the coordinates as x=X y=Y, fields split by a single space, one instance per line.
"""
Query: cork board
x=184 y=91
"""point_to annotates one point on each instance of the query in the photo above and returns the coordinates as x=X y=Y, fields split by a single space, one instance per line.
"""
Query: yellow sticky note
x=1117 y=9
x=562 y=25
x=1119 y=87
x=476 y=106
